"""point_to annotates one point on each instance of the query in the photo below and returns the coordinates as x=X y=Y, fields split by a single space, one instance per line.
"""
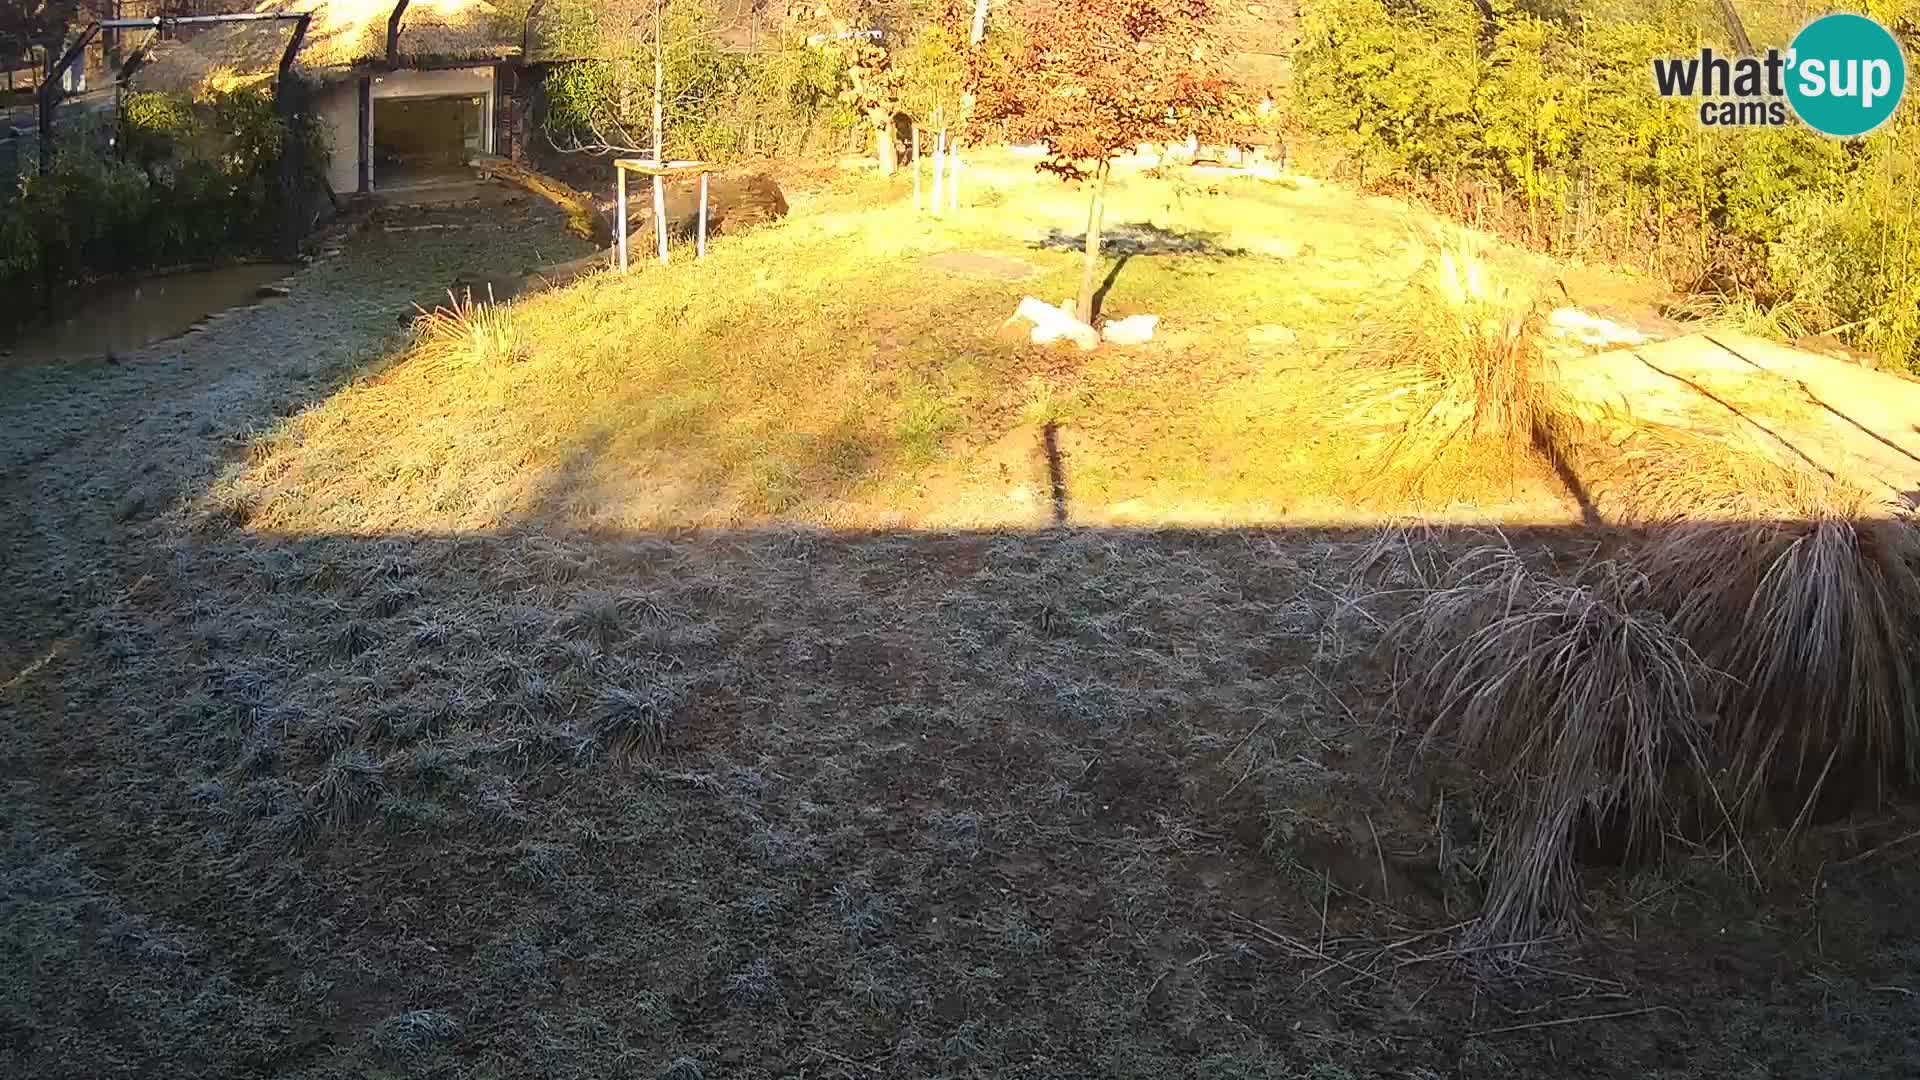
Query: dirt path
x=91 y=454
x=1807 y=410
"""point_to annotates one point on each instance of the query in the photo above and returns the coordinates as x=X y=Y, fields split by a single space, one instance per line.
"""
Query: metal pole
x=620 y=228
x=703 y=216
x=660 y=211
x=939 y=184
x=953 y=176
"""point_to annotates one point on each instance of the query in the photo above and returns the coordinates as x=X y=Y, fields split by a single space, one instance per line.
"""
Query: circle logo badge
x=1846 y=75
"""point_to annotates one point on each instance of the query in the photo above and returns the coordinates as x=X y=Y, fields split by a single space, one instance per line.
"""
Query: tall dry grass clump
x=1742 y=670
x=1662 y=476
x=1467 y=346
x=1580 y=697
x=1802 y=588
x=468 y=333
x=1814 y=609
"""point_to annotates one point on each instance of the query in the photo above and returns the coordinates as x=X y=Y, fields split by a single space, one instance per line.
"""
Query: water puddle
x=123 y=318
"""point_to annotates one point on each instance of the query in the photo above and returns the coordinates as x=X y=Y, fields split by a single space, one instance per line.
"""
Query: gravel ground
x=89 y=451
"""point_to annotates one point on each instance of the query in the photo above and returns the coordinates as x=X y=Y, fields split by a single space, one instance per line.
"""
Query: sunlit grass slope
x=839 y=369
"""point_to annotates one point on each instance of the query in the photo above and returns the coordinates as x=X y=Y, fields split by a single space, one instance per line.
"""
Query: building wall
x=339 y=106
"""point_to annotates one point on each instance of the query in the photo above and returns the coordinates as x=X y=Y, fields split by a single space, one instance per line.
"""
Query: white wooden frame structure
x=659 y=172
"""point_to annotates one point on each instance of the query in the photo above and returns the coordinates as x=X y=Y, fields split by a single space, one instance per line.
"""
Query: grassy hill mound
x=846 y=368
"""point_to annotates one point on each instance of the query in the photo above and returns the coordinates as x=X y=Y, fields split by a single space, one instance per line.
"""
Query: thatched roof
x=349 y=34
x=345 y=34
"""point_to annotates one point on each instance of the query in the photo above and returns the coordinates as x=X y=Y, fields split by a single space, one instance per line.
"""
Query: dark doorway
x=420 y=140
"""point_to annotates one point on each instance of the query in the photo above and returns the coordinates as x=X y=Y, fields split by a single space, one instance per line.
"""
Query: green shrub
x=153 y=126
x=1547 y=126
x=199 y=179
x=1851 y=253
x=932 y=68
x=1392 y=92
x=719 y=104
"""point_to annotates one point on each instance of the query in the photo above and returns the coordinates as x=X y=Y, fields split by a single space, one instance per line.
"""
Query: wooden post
x=702 y=248
x=620 y=224
x=916 y=168
x=365 y=150
x=660 y=212
x=939 y=156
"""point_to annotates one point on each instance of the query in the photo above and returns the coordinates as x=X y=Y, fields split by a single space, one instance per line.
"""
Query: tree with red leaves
x=1093 y=79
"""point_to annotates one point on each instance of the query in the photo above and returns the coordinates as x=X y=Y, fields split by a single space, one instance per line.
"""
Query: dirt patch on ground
x=980 y=264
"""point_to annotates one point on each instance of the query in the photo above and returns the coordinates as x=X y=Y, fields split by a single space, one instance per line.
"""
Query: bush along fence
x=1550 y=129
x=187 y=180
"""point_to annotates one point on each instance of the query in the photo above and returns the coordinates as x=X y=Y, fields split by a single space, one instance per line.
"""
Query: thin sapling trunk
x=1090 y=271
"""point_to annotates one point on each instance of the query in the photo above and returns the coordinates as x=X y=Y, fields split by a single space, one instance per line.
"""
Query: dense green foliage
x=196 y=180
x=1545 y=124
x=718 y=103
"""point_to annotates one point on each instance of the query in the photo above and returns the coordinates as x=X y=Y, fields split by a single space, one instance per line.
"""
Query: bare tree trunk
x=1090 y=270
x=1735 y=28
x=979 y=21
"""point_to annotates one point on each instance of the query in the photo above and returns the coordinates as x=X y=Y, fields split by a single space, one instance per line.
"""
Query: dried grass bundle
x=1468 y=346
x=467 y=333
x=1818 y=619
x=1580 y=697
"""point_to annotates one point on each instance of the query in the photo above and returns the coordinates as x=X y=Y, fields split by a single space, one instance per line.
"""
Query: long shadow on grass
x=1056 y=472
x=1144 y=238
x=1137 y=239
x=880 y=792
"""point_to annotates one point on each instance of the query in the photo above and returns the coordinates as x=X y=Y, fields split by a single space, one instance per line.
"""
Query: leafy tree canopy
x=1095 y=78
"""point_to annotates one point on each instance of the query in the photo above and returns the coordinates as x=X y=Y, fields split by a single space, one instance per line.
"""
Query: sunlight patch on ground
x=820 y=371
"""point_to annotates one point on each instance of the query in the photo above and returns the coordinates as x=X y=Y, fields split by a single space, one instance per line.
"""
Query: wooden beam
x=393 y=32
x=650 y=167
x=583 y=219
x=363 y=152
x=298 y=39
x=50 y=93
x=1735 y=28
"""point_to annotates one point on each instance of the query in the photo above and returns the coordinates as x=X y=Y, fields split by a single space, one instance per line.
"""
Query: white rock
x=1051 y=324
x=1133 y=330
x=1591 y=329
